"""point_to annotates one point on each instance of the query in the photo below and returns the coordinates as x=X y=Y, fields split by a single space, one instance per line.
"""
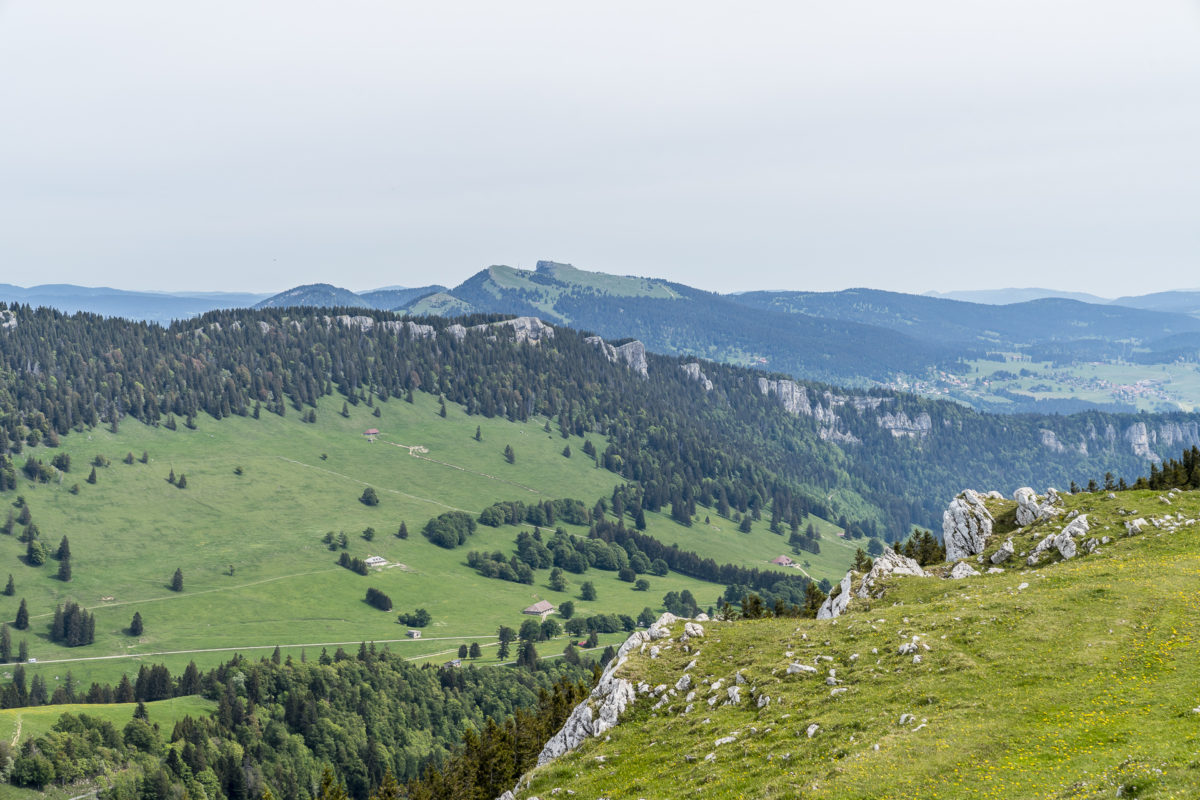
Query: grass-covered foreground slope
x=1074 y=679
x=256 y=571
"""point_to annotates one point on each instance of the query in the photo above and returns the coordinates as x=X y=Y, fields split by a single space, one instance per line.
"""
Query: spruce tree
x=10 y=588
x=91 y=478
x=22 y=652
x=64 y=549
x=64 y=570
x=403 y=532
x=177 y=580
x=5 y=644
x=475 y=651
x=135 y=625
x=22 y=621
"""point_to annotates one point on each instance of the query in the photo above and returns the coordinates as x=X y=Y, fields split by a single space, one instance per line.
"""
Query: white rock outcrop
x=1004 y=553
x=608 y=700
x=693 y=371
x=966 y=526
x=889 y=563
x=963 y=570
x=633 y=354
x=835 y=604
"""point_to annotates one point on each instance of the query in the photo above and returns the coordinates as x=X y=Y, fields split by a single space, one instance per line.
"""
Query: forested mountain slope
x=671 y=318
x=878 y=459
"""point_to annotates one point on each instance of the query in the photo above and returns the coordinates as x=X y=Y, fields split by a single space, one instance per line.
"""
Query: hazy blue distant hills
x=1005 y=296
x=323 y=295
x=1025 y=324
x=1184 y=301
x=161 y=307
x=675 y=319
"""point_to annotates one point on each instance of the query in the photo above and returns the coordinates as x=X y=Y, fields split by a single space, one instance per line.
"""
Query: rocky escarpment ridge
x=900 y=424
x=633 y=354
x=525 y=329
x=870 y=584
x=614 y=694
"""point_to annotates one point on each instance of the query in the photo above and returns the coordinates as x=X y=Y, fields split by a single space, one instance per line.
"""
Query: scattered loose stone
x=812 y=730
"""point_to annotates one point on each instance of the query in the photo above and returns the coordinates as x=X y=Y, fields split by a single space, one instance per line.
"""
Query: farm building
x=783 y=561
x=542 y=608
x=413 y=633
x=371 y=433
x=376 y=561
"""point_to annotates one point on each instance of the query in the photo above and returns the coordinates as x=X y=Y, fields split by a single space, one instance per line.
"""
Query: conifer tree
x=177 y=580
x=10 y=588
x=22 y=621
x=135 y=625
x=91 y=478
x=64 y=570
x=5 y=644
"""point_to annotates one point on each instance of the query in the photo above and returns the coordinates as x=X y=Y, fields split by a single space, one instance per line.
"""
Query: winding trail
x=390 y=491
x=412 y=451
x=180 y=595
x=17 y=733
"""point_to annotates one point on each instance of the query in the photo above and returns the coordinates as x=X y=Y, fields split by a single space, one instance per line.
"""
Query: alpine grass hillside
x=1071 y=677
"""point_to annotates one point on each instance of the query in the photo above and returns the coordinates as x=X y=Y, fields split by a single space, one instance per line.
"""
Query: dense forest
x=373 y=719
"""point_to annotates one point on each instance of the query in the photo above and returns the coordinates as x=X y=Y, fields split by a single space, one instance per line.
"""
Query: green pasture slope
x=1074 y=679
x=132 y=529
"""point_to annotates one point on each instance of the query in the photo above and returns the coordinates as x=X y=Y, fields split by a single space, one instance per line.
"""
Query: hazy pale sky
x=259 y=144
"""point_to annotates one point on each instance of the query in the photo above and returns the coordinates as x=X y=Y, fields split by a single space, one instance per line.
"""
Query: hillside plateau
x=1047 y=676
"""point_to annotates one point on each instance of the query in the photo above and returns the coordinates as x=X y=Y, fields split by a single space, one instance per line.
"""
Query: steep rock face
x=633 y=354
x=1051 y=442
x=795 y=400
x=528 y=329
x=693 y=371
x=900 y=424
x=966 y=526
x=1139 y=440
x=792 y=396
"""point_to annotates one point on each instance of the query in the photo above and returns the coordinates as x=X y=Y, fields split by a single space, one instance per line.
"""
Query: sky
x=930 y=144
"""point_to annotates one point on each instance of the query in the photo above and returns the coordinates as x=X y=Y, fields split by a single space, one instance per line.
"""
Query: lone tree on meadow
x=135 y=626
x=587 y=591
x=509 y=455
x=64 y=570
x=22 y=621
x=369 y=497
x=10 y=588
x=177 y=580
x=91 y=478
x=64 y=549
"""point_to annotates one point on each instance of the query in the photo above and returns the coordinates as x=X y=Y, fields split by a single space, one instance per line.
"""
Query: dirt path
x=179 y=595
x=17 y=733
x=412 y=451
x=364 y=483
x=477 y=637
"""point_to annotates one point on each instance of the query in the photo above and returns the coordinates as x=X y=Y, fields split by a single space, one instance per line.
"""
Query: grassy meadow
x=1073 y=679
x=256 y=572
